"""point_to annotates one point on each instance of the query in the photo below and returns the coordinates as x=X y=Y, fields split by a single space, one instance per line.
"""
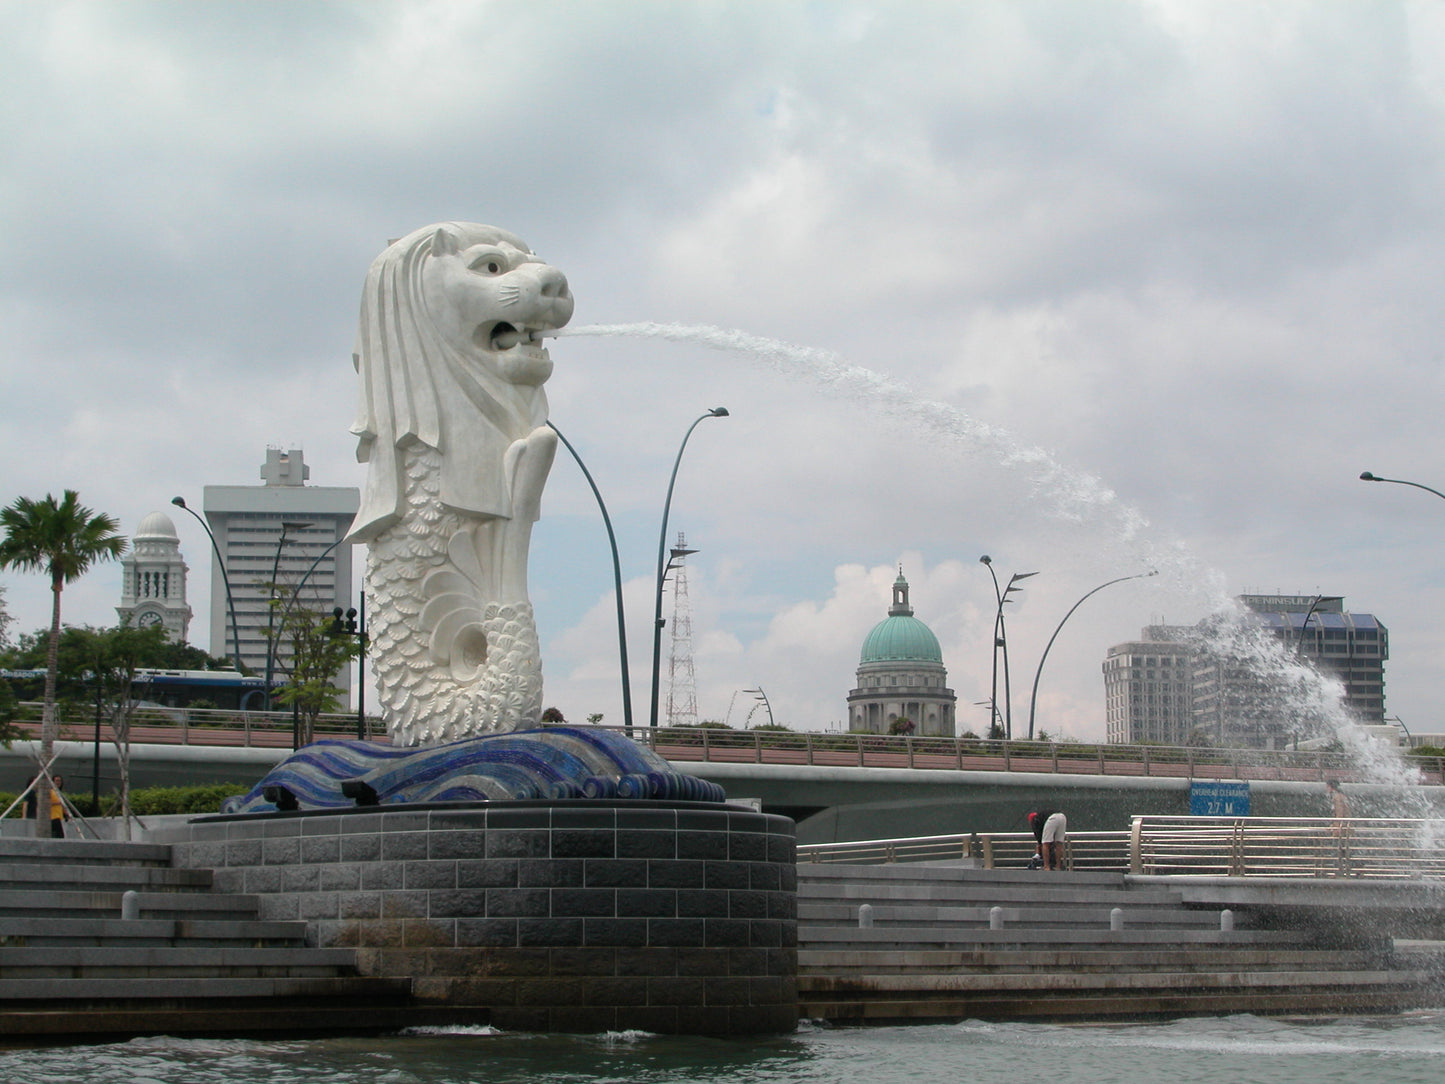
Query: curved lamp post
x=715 y=412
x=1000 y=641
x=180 y=502
x=758 y=694
x=1034 y=696
x=1368 y=477
x=616 y=582
x=1299 y=644
x=286 y=527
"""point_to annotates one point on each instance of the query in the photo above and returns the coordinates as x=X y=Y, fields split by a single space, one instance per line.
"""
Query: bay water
x=1407 y=1048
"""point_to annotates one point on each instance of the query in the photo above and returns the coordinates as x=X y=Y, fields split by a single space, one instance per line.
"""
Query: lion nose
x=552 y=282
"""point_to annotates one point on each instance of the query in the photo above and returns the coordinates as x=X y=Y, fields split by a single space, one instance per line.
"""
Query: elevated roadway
x=883 y=798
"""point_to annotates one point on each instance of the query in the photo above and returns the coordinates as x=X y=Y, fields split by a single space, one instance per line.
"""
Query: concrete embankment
x=922 y=943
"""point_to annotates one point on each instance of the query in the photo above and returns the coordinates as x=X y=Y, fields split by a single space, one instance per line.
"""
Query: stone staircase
x=950 y=942
x=184 y=960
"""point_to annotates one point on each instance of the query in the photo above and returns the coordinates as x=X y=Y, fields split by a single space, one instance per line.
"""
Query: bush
x=159 y=801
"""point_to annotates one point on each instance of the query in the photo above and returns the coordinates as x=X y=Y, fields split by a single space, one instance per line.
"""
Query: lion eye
x=490 y=265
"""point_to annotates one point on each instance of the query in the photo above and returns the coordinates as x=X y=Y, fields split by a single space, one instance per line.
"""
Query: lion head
x=449 y=356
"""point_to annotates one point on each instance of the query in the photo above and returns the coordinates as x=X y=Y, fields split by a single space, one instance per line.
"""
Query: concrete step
x=905 y=938
x=15 y=904
x=924 y=986
x=841 y=914
x=990 y=1004
x=83 y=852
x=881 y=891
x=71 y=877
x=73 y=962
x=920 y=873
x=178 y=989
x=33 y=932
x=1164 y=958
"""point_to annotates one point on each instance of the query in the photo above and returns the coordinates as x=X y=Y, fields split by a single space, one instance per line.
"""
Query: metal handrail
x=1315 y=847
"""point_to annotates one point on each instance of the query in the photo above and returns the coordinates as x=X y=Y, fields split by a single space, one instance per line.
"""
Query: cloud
x=1169 y=272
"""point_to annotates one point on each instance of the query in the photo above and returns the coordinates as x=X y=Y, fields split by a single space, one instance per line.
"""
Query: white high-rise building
x=153 y=579
x=283 y=532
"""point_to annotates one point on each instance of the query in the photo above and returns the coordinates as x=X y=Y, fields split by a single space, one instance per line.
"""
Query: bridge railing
x=199 y=726
x=191 y=726
x=717 y=745
x=1360 y=847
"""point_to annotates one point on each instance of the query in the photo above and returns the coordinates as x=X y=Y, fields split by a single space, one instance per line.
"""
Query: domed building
x=901 y=675
x=153 y=579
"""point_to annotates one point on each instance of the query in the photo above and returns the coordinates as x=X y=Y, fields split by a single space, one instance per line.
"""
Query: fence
x=1362 y=847
x=714 y=745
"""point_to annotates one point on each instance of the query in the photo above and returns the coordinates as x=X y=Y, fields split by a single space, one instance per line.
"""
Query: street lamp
x=1033 y=696
x=286 y=527
x=1000 y=641
x=715 y=412
x=1299 y=644
x=353 y=623
x=180 y=502
x=361 y=670
x=616 y=581
x=758 y=694
x=1368 y=477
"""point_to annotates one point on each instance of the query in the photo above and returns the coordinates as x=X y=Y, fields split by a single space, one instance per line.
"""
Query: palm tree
x=61 y=540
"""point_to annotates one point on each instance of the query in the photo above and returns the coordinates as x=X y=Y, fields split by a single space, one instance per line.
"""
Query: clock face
x=150 y=617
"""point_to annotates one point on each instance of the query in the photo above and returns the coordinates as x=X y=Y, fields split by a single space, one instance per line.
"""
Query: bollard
x=1116 y=919
x=1226 y=920
x=865 y=916
x=995 y=918
x=129 y=906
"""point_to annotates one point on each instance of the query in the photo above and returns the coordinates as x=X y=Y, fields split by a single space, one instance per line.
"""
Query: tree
x=60 y=539
x=317 y=656
x=5 y=620
x=105 y=662
x=553 y=717
x=901 y=725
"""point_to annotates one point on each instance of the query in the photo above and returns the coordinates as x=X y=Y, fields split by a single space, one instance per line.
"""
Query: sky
x=1094 y=288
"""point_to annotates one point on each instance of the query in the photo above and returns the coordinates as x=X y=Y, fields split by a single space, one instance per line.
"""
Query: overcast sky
x=1090 y=287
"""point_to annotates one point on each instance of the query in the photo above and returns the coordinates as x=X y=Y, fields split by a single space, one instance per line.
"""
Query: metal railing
x=1288 y=847
x=202 y=726
x=714 y=745
x=972 y=754
x=1360 y=847
x=989 y=850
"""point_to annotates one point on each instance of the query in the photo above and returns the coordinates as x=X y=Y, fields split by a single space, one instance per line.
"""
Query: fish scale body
x=426 y=701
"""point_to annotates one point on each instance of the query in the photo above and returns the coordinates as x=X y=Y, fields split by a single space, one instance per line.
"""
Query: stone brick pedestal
x=569 y=916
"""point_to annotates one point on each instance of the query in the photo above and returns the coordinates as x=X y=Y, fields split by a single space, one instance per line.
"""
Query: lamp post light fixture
x=1000 y=643
x=180 y=502
x=758 y=694
x=657 y=622
x=1368 y=477
x=1299 y=644
x=286 y=527
x=353 y=623
x=1034 y=696
x=616 y=583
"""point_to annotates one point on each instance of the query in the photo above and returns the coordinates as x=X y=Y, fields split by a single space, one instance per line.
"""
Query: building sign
x=1219 y=799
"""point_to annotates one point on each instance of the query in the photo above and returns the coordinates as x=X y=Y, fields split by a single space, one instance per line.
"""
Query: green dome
x=901 y=638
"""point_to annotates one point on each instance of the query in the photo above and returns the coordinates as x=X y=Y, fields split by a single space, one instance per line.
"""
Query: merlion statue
x=452 y=427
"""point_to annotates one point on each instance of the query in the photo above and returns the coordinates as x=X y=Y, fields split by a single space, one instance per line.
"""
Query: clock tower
x=153 y=579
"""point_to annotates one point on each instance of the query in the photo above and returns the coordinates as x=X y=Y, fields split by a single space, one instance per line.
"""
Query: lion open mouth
x=503 y=336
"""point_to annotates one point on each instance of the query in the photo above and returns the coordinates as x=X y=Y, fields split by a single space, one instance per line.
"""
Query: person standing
x=57 y=808
x=1050 y=828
